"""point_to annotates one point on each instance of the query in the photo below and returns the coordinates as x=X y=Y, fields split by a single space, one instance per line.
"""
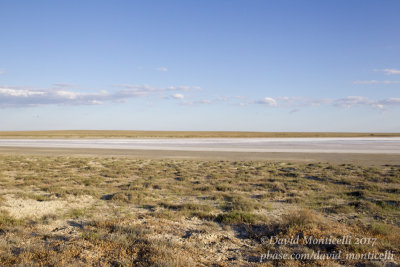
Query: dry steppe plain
x=138 y=208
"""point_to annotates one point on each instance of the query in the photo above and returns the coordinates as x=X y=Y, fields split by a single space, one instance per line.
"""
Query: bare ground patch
x=30 y=208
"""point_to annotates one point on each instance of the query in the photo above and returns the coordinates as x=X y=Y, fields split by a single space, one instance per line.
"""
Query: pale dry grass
x=139 y=212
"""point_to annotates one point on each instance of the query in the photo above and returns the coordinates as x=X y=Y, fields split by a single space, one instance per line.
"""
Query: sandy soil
x=30 y=208
x=334 y=158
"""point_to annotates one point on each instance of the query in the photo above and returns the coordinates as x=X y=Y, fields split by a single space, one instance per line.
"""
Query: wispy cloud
x=63 y=95
x=19 y=92
x=164 y=69
x=351 y=101
x=381 y=104
x=269 y=101
x=132 y=90
x=388 y=71
x=216 y=100
x=67 y=94
x=2 y=71
x=11 y=97
x=301 y=101
x=184 y=88
x=347 y=102
x=376 y=82
x=178 y=96
x=391 y=101
x=198 y=102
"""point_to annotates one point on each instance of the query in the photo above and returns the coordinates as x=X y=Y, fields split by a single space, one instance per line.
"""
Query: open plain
x=113 y=206
x=120 y=211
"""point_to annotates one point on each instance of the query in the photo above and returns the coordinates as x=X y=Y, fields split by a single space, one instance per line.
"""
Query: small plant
x=299 y=218
x=240 y=203
x=76 y=213
x=384 y=229
x=236 y=217
x=6 y=220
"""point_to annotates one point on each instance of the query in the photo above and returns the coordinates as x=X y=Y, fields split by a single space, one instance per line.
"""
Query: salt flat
x=367 y=145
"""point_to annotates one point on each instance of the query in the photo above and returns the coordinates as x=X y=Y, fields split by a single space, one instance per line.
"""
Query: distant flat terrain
x=178 y=134
x=367 y=145
x=361 y=159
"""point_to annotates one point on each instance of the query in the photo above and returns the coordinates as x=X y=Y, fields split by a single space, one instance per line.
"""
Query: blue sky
x=200 y=65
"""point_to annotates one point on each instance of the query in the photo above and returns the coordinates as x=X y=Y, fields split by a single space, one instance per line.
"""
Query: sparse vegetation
x=137 y=212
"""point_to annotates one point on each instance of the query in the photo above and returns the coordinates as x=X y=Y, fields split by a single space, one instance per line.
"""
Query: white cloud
x=62 y=95
x=376 y=82
x=164 y=69
x=2 y=72
x=391 y=101
x=19 y=92
x=351 y=101
x=67 y=94
x=96 y=102
x=391 y=71
x=268 y=101
x=388 y=71
x=178 y=96
x=15 y=97
x=291 y=102
x=378 y=106
x=347 y=102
